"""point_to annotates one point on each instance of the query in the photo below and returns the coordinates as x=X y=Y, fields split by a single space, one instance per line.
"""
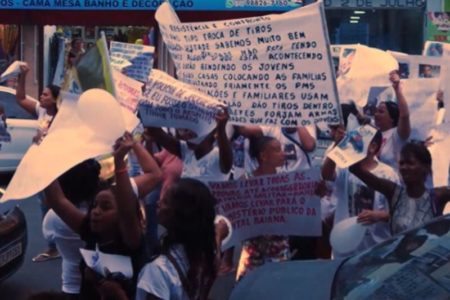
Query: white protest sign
x=420 y=94
x=133 y=60
x=81 y=130
x=167 y=102
x=12 y=71
x=418 y=66
x=267 y=70
x=281 y=204
x=128 y=90
x=104 y=263
x=353 y=146
x=360 y=68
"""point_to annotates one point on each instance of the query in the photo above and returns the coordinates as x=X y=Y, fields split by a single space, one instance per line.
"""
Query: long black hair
x=191 y=224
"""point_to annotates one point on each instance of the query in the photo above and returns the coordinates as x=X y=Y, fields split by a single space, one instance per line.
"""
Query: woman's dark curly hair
x=54 y=90
x=190 y=222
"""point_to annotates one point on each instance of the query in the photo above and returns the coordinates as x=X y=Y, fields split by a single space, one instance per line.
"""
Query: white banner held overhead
x=167 y=102
x=133 y=60
x=281 y=204
x=267 y=70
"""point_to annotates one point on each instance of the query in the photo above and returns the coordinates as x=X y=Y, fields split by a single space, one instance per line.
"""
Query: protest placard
x=133 y=60
x=353 y=146
x=167 y=102
x=281 y=204
x=360 y=68
x=128 y=90
x=12 y=71
x=418 y=66
x=266 y=70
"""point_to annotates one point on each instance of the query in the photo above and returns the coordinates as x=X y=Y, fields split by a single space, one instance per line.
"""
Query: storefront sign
x=369 y=4
x=438 y=26
x=192 y=5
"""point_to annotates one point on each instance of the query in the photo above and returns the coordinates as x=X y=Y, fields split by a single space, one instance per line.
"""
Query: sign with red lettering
x=281 y=204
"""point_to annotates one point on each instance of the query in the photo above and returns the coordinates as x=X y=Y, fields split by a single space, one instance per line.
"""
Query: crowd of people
x=387 y=191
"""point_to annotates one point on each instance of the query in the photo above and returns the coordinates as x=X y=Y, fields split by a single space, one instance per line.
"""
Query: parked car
x=16 y=132
x=13 y=240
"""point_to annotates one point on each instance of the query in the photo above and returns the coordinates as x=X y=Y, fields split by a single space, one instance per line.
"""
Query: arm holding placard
x=384 y=186
x=307 y=141
x=404 y=125
x=170 y=143
x=225 y=151
x=329 y=166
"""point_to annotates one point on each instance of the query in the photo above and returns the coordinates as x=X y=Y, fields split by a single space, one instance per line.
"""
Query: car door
x=16 y=131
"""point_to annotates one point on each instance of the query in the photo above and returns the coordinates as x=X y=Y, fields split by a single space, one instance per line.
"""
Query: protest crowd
x=198 y=192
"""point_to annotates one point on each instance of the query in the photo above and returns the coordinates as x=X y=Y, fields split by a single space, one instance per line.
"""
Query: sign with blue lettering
x=192 y=5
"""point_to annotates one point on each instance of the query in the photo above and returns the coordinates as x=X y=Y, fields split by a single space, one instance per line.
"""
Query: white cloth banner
x=360 y=68
x=353 y=146
x=167 y=102
x=267 y=70
x=82 y=129
x=436 y=49
x=280 y=204
x=128 y=90
x=133 y=60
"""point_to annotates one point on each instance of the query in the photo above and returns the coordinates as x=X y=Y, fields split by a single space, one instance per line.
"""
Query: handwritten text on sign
x=282 y=204
x=267 y=70
x=168 y=102
x=140 y=58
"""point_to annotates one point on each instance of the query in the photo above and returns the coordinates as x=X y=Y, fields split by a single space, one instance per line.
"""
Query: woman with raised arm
x=112 y=225
x=392 y=119
x=410 y=204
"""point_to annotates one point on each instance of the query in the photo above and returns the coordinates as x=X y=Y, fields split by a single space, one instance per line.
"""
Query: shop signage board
x=205 y=5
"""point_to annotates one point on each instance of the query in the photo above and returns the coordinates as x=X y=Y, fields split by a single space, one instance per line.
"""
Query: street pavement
x=46 y=276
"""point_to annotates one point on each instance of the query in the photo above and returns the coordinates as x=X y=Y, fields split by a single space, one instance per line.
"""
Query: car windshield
x=12 y=109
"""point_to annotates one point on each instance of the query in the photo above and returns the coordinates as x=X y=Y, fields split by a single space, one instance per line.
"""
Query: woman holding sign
x=267 y=248
x=393 y=121
x=45 y=111
x=411 y=204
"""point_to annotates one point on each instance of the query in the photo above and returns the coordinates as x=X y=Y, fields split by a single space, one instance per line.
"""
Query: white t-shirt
x=391 y=146
x=296 y=159
x=68 y=244
x=160 y=277
x=353 y=196
x=44 y=120
x=206 y=168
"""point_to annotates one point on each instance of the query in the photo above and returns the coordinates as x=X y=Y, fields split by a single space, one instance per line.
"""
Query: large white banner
x=272 y=70
x=281 y=204
x=417 y=66
x=360 y=68
x=133 y=60
x=82 y=129
x=167 y=102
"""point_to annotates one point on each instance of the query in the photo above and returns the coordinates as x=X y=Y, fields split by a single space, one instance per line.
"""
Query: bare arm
x=404 y=125
x=21 y=96
x=384 y=186
x=152 y=173
x=307 y=141
x=225 y=152
x=127 y=202
x=65 y=209
x=167 y=141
